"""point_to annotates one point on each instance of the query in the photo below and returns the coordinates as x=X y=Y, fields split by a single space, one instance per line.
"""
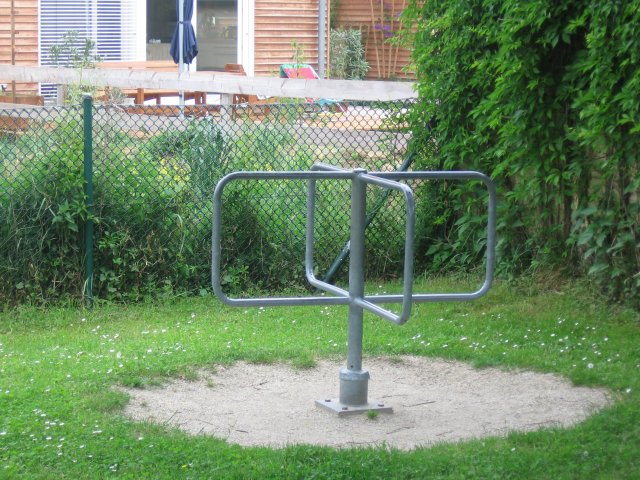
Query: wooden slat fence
x=19 y=38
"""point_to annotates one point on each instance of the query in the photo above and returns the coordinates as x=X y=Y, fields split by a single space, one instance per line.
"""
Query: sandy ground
x=433 y=401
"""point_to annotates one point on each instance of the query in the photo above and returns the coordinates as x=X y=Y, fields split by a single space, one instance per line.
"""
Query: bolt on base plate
x=335 y=406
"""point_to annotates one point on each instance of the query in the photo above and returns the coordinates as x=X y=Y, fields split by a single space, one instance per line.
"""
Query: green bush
x=347 y=59
x=154 y=206
x=541 y=95
x=42 y=213
x=153 y=187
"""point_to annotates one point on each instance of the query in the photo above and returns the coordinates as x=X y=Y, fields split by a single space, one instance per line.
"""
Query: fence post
x=87 y=103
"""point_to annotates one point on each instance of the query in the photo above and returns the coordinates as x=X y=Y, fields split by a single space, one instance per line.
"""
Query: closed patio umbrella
x=184 y=46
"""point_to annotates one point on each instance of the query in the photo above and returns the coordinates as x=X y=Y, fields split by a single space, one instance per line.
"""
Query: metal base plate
x=335 y=406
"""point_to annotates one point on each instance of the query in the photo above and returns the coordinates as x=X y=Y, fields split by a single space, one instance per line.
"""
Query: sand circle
x=433 y=400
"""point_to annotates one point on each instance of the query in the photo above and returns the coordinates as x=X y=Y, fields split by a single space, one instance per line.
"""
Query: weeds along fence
x=153 y=175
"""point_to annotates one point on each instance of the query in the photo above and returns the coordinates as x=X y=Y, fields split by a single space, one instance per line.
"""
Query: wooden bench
x=13 y=126
x=140 y=95
x=21 y=99
x=14 y=117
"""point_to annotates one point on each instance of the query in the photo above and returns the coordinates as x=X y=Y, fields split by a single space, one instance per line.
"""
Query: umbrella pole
x=181 y=44
x=13 y=48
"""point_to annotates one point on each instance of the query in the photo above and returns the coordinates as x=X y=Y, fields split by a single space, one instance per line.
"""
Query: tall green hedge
x=544 y=96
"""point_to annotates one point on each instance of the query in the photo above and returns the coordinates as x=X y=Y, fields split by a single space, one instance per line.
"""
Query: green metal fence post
x=87 y=103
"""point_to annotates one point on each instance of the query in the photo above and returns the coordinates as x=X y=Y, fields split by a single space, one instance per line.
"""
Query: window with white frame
x=116 y=26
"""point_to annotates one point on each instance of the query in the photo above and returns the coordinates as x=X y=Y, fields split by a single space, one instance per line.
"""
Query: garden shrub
x=42 y=213
x=155 y=205
x=542 y=96
x=152 y=208
x=347 y=59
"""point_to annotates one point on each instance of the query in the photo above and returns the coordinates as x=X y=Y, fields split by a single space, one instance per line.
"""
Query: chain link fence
x=154 y=172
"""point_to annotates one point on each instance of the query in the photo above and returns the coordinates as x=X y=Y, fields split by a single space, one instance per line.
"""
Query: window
x=217 y=33
x=113 y=24
x=161 y=22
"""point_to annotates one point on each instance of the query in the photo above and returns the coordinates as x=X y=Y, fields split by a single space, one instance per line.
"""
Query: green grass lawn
x=60 y=418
